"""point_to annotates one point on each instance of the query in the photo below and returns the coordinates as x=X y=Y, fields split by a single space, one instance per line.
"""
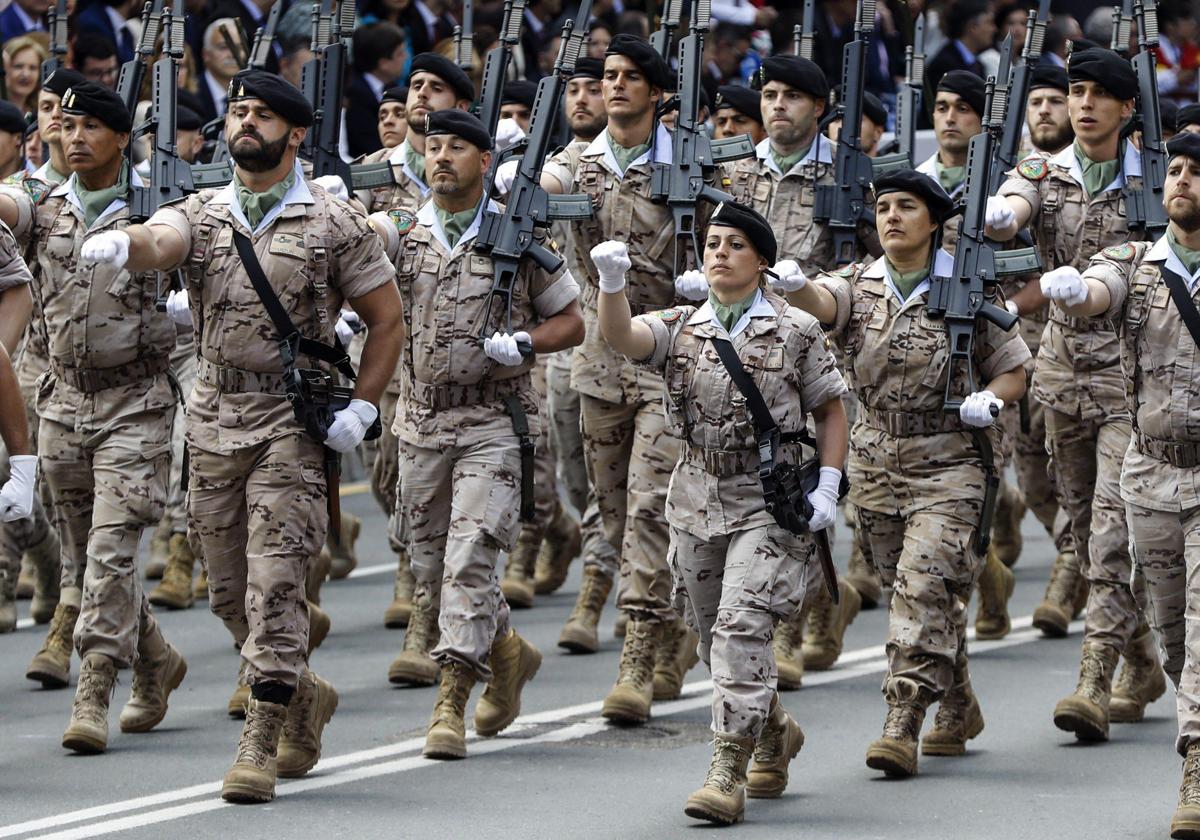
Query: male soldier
x=1046 y=111
x=393 y=121
x=1188 y=119
x=1074 y=205
x=872 y=126
x=258 y=479
x=957 y=117
x=466 y=415
x=516 y=102
x=1150 y=292
x=739 y=111
x=630 y=452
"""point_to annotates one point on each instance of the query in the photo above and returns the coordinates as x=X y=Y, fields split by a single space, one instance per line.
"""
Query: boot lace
x=257 y=744
x=901 y=723
x=592 y=596
x=62 y=627
x=637 y=654
x=952 y=711
x=299 y=710
x=1092 y=676
x=421 y=626
x=820 y=620
x=1063 y=583
x=1189 y=790
x=92 y=696
x=724 y=771
x=146 y=685
x=785 y=639
x=770 y=743
x=453 y=692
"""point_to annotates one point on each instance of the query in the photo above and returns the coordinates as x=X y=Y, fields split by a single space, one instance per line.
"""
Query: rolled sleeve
x=557 y=296
x=1004 y=351
x=361 y=266
x=23 y=228
x=13 y=271
x=839 y=287
x=820 y=380
x=663 y=337
x=385 y=226
x=1115 y=279
x=561 y=174
x=175 y=217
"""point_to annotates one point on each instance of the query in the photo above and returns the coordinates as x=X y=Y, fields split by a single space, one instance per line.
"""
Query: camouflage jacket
x=407 y=190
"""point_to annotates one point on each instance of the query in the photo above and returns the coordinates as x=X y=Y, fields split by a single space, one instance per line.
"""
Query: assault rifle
x=464 y=39
x=264 y=39
x=1144 y=206
x=322 y=80
x=1122 y=28
x=668 y=23
x=908 y=102
x=495 y=66
x=1008 y=148
x=804 y=33
x=133 y=72
x=56 y=22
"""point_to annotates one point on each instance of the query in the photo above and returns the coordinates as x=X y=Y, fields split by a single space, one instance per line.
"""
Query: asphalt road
x=560 y=772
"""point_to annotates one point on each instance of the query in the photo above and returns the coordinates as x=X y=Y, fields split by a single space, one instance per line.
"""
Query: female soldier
x=916 y=474
x=740 y=569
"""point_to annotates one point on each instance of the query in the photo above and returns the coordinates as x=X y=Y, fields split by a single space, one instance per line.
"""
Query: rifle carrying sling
x=1183 y=302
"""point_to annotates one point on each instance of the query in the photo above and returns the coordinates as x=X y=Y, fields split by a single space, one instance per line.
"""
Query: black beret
x=639 y=51
x=1188 y=115
x=95 y=100
x=873 y=109
x=1105 y=68
x=519 y=92
x=12 y=119
x=187 y=120
x=1168 y=114
x=800 y=73
x=61 y=79
x=1187 y=144
x=281 y=96
x=940 y=205
x=750 y=222
x=460 y=123
x=588 y=68
x=395 y=94
x=1048 y=76
x=967 y=85
x=446 y=70
x=741 y=99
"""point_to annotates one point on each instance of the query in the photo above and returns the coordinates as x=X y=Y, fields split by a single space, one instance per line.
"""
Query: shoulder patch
x=668 y=316
x=847 y=270
x=1122 y=253
x=1033 y=168
x=403 y=220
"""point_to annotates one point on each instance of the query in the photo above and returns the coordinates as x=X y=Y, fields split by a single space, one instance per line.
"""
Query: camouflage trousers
x=462 y=505
x=738 y=585
x=630 y=458
x=109 y=480
x=1166 y=550
x=183 y=366
x=259 y=516
x=1036 y=474
x=564 y=424
x=929 y=560
x=1087 y=458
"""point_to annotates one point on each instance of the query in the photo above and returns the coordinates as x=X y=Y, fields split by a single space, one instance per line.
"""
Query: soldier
x=1074 y=205
x=872 y=126
x=459 y=425
x=516 y=102
x=1047 y=114
x=1188 y=119
x=739 y=111
x=916 y=479
x=1147 y=290
x=740 y=568
x=258 y=482
x=393 y=117
x=957 y=117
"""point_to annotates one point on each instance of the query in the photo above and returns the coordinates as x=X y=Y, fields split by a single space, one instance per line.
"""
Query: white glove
x=692 y=285
x=109 y=248
x=506 y=173
x=348 y=323
x=998 y=214
x=350 y=425
x=334 y=185
x=1065 y=285
x=791 y=277
x=612 y=261
x=502 y=347
x=16 y=497
x=976 y=409
x=824 y=499
x=508 y=134
x=178 y=309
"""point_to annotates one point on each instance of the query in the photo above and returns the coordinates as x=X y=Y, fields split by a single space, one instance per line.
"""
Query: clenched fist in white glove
x=1065 y=285
x=506 y=173
x=824 y=499
x=334 y=185
x=16 y=497
x=348 y=324
x=178 y=309
x=692 y=285
x=108 y=248
x=504 y=349
x=976 y=409
x=508 y=134
x=789 y=277
x=350 y=425
x=612 y=261
x=998 y=215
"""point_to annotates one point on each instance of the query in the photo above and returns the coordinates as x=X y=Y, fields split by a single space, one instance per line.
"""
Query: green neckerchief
x=256 y=205
x=625 y=156
x=415 y=161
x=949 y=176
x=1188 y=256
x=785 y=164
x=96 y=202
x=730 y=314
x=453 y=224
x=1098 y=174
x=53 y=175
x=906 y=282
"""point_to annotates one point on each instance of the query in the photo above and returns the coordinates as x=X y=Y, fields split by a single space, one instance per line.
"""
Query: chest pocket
x=930 y=335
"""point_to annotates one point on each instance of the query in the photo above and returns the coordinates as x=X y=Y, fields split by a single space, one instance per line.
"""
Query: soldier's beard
x=1188 y=220
x=262 y=159
x=1052 y=138
x=588 y=127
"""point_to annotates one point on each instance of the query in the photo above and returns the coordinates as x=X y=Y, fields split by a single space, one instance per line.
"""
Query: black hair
x=375 y=43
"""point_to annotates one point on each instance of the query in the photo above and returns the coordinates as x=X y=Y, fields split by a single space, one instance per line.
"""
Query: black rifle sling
x=1183 y=302
x=764 y=423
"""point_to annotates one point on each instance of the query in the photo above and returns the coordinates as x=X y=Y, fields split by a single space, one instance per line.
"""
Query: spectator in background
x=430 y=23
x=1098 y=28
x=12 y=139
x=1060 y=30
x=539 y=29
x=380 y=55
x=971 y=29
x=744 y=13
x=548 y=55
x=297 y=52
x=108 y=18
x=251 y=13
x=723 y=53
x=220 y=66
x=598 y=38
x=22 y=16
x=95 y=58
x=23 y=57
x=1177 y=56
x=1011 y=19
x=633 y=23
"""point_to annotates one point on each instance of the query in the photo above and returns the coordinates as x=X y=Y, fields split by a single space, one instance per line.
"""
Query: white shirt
x=377 y=87
x=297 y=193
x=943 y=265
x=1161 y=251
x=660 y=148
x=219 y=94
x=1131 y=165
x=30 y=24
x=821 y=151
x=67 y=188
x=758 y=309
x=427 y=215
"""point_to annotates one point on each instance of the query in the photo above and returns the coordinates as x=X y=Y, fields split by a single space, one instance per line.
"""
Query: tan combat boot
x=87 y=731
x=621 y=624
x=630 y=699
x=319 y=624
x=200 y=589
x=1086 y=711
x=399 y=612
x=789 y=656
x=958 y=720
x=517 y=583
x=414 y=666
x=1006 y=527
x=1140 y=682
x=779 y=743
x=675 y=655
x=513 y=662
x=1185 y=825
x=160 y=546
x=8 y=601
x=252 y=776
x=316 y=575
x=345 y=559
x=579 y=634
x=447 y=735
x=311 y=708
x=51 y=666
x=174 y=591
x=236 y=707
x=722 y=799
x=827 y=623
x=996 y=585
x=47 y=571
x=562 y=544
x=153 y=683
x=896 y=752
x=862 y=575
x=1053 y=615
